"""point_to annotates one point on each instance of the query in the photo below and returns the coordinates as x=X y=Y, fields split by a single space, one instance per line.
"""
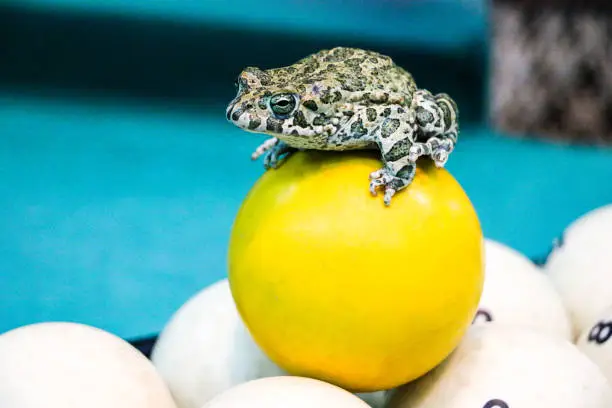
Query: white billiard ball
x=498 y=366
x=580 y=267
x=205 y=349
x=284 y=392
x=516 y=292
x=69 y=365
x=596 y=342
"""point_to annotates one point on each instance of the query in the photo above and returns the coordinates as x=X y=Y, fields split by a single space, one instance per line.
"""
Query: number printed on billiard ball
x=496 y=403
x=483 y=316
x=601 y=332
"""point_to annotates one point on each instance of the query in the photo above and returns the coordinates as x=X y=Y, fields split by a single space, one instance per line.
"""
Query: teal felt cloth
x=114 y=215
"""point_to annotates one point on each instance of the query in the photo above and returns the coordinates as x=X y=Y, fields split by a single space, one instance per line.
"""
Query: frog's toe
x=417 y=150
x=276 y=154
x=392 y=182
x=271 y=160
x=440 y=157
x=374 y=184
x=389 y=192
x=264 y=147
x=376 y=174
x=379 y=178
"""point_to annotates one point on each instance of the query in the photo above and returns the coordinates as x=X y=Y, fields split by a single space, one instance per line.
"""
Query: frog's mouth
x=229 y=110
x=235 y=113
x=245 y=119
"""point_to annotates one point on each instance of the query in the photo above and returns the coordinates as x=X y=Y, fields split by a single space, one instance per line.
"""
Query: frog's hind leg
x=394 y=138
x=437 y=119
x=450 y=133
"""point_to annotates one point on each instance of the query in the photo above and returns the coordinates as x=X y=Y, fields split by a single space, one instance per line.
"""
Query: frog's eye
x=282 y=105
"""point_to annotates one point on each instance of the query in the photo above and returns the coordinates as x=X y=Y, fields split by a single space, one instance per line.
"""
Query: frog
x=346 y=98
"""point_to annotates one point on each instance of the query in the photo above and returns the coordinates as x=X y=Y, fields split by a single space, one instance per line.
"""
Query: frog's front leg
x=419 y=149
x=264 y=147
x=440 y=150
x=395 y=138
x=395 y=176
x=275 y=151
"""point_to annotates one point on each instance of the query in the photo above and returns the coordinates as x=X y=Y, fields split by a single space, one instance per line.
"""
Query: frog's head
x=277 y=103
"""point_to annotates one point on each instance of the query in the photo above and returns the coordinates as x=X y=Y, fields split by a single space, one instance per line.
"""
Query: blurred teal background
x=120 y=178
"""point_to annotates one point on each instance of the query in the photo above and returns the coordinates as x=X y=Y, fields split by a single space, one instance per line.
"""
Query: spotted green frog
x=347 y=98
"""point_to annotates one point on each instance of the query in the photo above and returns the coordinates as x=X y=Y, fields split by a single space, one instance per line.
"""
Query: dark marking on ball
x=496 y=403
x=484 y=314
x=600 y=333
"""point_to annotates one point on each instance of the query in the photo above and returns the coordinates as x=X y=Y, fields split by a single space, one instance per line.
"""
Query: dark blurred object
x=189 y=64
x=552 y=69
x=144 y=345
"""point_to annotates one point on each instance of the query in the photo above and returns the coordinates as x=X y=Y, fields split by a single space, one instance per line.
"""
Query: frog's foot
x=276 y=154
x=440 y=157
x=264 y=147
x=417 y=150
x=441 y=119
x=441 y=152
x=391 y=182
